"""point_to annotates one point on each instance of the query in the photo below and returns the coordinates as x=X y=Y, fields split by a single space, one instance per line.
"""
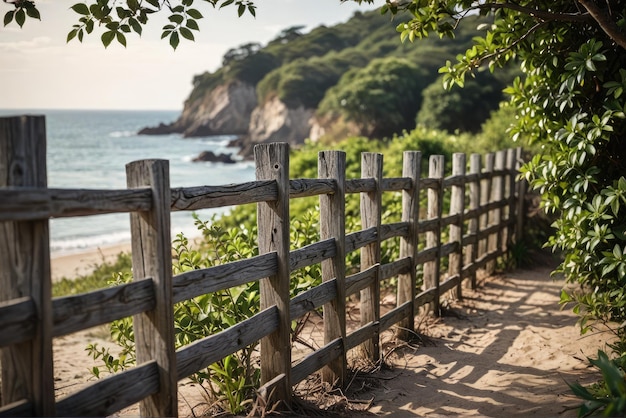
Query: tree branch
x=538 y=13
x=606 y=23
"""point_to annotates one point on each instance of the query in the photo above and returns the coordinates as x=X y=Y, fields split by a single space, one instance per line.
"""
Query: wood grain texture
x=371 y=214
x=312 y=299
x=152 y=257
x=25 y=267
x=201 y=353
x=77 y=312
x=485 y=199
x=457 y=206
x=314 y=361
x=311 y=187
x=205 y=197
x=407 y=282
x=194 y=283
x=471 y=214
x=272 y=163
x=112 y=393
x=332 y=165
x=17 y=321
x=313 y=253
x=436 y=165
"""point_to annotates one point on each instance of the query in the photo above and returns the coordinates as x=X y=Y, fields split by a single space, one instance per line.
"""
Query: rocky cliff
x=224 y=110
x=273 y=121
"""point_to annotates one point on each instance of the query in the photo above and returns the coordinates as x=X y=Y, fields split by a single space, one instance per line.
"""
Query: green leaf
x=107 y=37
x=80 y=8
x=174 y=40
x=227 y=3
x=71 y=35
x=177 y=19
x=195 y=14
x=241 y=9
x=33 y=12
x=186 y=33
x=135 y=25
x=192 y=24
x=20 y=17
x=8 y=17
x=121 y=38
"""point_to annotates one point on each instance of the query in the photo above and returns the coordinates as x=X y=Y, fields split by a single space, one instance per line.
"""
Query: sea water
x=88 y=149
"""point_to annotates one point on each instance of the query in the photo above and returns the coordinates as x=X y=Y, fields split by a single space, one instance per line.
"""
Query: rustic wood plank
x=436 y=166
x=152 y=257
x=312 y=299
x=450 y=283
x=510 y=196
x=361 y=185
x=485 y=199
x=359 y=281
x=396 y=315
x=427 y=255
x=371 y=213
x=194 y=283
x=457 y=205
x=429 y=225
x=396 y=184
x=202 y=353
x=498 y=215
x=472 y=213
x=392 y=230
x=113 y=393
x=314 y=361
x=17 y=321
x=407 y=282
x=21 y=408
x=311 y=187
x=272 y=163
x=205 y=197
x=520 y=195
x=78 y=312
x=361 y=335
x=22 y=204
x=359 y=239
x=395 y=268
x=25 y=267
x=312 y=254
x=332 y=165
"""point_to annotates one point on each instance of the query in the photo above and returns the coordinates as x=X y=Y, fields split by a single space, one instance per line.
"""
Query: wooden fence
x=483 y=218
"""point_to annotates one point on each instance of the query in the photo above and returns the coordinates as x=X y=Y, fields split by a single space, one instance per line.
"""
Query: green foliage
x=461 y=109
x=381 y=98
x=570 y=104
x=609 y=396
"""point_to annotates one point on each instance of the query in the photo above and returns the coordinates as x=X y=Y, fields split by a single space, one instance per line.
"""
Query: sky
x=39 y=70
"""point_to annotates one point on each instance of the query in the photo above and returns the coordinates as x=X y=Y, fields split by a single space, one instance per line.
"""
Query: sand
x=82 y=262
x=506 y=349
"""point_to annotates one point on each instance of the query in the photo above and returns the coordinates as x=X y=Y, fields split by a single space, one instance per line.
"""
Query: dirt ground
x=506 y=349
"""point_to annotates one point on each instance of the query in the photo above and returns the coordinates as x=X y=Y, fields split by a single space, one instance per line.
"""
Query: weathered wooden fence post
x=272 y=163
x=510 y=196
x=25 y=267
x=486 y=218
x=332 y=165
x=457 y=207
x=371 y=210
x=498 y=196
x=407 y=283
x=432 y=269
x=152 y=257
x=520 y=195
x=474 y=204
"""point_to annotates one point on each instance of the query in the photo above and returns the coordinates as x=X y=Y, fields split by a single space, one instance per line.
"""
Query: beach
x=78 y=263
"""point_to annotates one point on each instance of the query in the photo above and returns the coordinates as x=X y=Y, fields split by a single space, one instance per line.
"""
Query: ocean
x=90 y=149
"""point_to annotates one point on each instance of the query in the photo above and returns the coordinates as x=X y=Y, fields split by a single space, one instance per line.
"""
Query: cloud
x=36 y=43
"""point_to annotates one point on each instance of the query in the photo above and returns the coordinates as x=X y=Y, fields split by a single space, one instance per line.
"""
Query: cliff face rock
x=224 y=110
x=275 y=122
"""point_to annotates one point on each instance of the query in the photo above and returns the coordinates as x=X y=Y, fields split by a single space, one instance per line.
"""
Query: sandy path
x=509 y=352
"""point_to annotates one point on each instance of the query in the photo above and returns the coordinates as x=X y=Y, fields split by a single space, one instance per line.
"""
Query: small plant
x=609 y=396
